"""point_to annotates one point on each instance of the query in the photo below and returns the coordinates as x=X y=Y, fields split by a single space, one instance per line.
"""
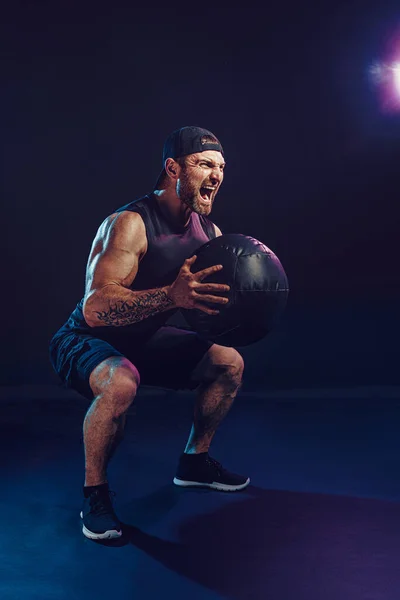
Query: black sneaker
x=200 y=470
x=99 y=519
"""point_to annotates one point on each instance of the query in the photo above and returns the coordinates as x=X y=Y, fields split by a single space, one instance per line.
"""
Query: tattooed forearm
x=116 y=311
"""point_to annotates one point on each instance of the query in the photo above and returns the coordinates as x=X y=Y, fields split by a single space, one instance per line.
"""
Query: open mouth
x=206 y=193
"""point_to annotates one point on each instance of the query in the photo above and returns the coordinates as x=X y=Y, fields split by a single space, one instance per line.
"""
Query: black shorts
x=166 y=360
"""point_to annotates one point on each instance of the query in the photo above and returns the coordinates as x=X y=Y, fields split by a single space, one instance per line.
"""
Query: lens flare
x=385 y=77
x=396 y=77
x=384 y=72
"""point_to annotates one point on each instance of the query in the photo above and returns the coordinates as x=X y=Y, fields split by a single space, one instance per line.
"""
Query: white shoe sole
x=222 y=487
x=107 y=535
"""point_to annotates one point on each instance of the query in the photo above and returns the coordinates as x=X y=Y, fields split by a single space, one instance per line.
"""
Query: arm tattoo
x=145 y=304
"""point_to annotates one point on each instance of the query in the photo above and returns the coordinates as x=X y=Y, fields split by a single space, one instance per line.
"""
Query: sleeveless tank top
x=168 y=247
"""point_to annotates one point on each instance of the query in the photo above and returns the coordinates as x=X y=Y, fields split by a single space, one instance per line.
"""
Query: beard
x=189 y=194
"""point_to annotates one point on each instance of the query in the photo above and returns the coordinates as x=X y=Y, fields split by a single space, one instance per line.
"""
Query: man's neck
x=175 y=210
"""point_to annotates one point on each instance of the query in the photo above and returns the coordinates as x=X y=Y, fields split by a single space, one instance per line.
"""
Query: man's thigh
x=74 y=357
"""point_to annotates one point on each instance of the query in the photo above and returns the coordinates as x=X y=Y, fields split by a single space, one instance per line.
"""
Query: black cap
x=188 y=140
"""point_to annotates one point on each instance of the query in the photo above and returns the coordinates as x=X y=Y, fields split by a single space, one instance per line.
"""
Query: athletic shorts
x=166 y=360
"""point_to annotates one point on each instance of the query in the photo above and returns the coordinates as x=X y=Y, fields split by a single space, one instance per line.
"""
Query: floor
x=320 y=521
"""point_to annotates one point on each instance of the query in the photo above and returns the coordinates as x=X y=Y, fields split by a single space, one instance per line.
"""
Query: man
x=138 y=275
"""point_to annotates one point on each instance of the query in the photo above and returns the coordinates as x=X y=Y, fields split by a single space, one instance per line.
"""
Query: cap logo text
x=208 y=139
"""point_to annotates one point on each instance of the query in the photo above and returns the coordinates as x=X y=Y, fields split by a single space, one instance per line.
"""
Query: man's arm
x=218 y=232
x=113 y=263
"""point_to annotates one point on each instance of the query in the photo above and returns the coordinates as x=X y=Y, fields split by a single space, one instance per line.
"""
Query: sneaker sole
x=106 y=535
x=222 y=487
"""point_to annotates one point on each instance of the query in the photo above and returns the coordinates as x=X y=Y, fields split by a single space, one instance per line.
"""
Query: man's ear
x=171 y=168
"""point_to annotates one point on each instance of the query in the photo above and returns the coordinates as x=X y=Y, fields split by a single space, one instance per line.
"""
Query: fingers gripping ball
x=258 y=294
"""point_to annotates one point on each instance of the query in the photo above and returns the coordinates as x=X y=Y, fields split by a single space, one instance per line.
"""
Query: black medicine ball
x=258 y=294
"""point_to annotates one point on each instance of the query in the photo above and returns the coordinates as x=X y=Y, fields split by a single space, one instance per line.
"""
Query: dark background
x=89 y=93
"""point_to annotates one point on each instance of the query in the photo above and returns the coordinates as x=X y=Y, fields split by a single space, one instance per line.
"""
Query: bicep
x=116 y=251
x=218 y=232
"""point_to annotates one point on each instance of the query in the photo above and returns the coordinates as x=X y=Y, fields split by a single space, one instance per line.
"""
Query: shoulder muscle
x=119 y=245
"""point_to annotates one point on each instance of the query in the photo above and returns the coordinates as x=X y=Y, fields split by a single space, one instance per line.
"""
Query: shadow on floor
x=277 y=544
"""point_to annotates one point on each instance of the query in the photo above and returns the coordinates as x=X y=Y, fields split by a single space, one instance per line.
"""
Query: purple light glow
x=385 y=74
x=396 y=76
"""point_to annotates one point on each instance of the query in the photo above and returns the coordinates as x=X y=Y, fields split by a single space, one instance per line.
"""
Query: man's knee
x=117 y=380
x=221 y=362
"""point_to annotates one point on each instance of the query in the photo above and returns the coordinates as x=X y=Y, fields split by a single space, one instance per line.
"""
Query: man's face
x=199 y=180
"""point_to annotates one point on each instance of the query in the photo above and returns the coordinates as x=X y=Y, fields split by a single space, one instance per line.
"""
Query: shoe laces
x=101 y=503
x=215 y=464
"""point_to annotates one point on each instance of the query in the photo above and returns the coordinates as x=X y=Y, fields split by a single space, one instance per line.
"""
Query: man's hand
x=187 y=291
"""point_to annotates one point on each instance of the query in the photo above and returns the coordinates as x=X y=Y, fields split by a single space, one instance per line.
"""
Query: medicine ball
x=258 y=294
